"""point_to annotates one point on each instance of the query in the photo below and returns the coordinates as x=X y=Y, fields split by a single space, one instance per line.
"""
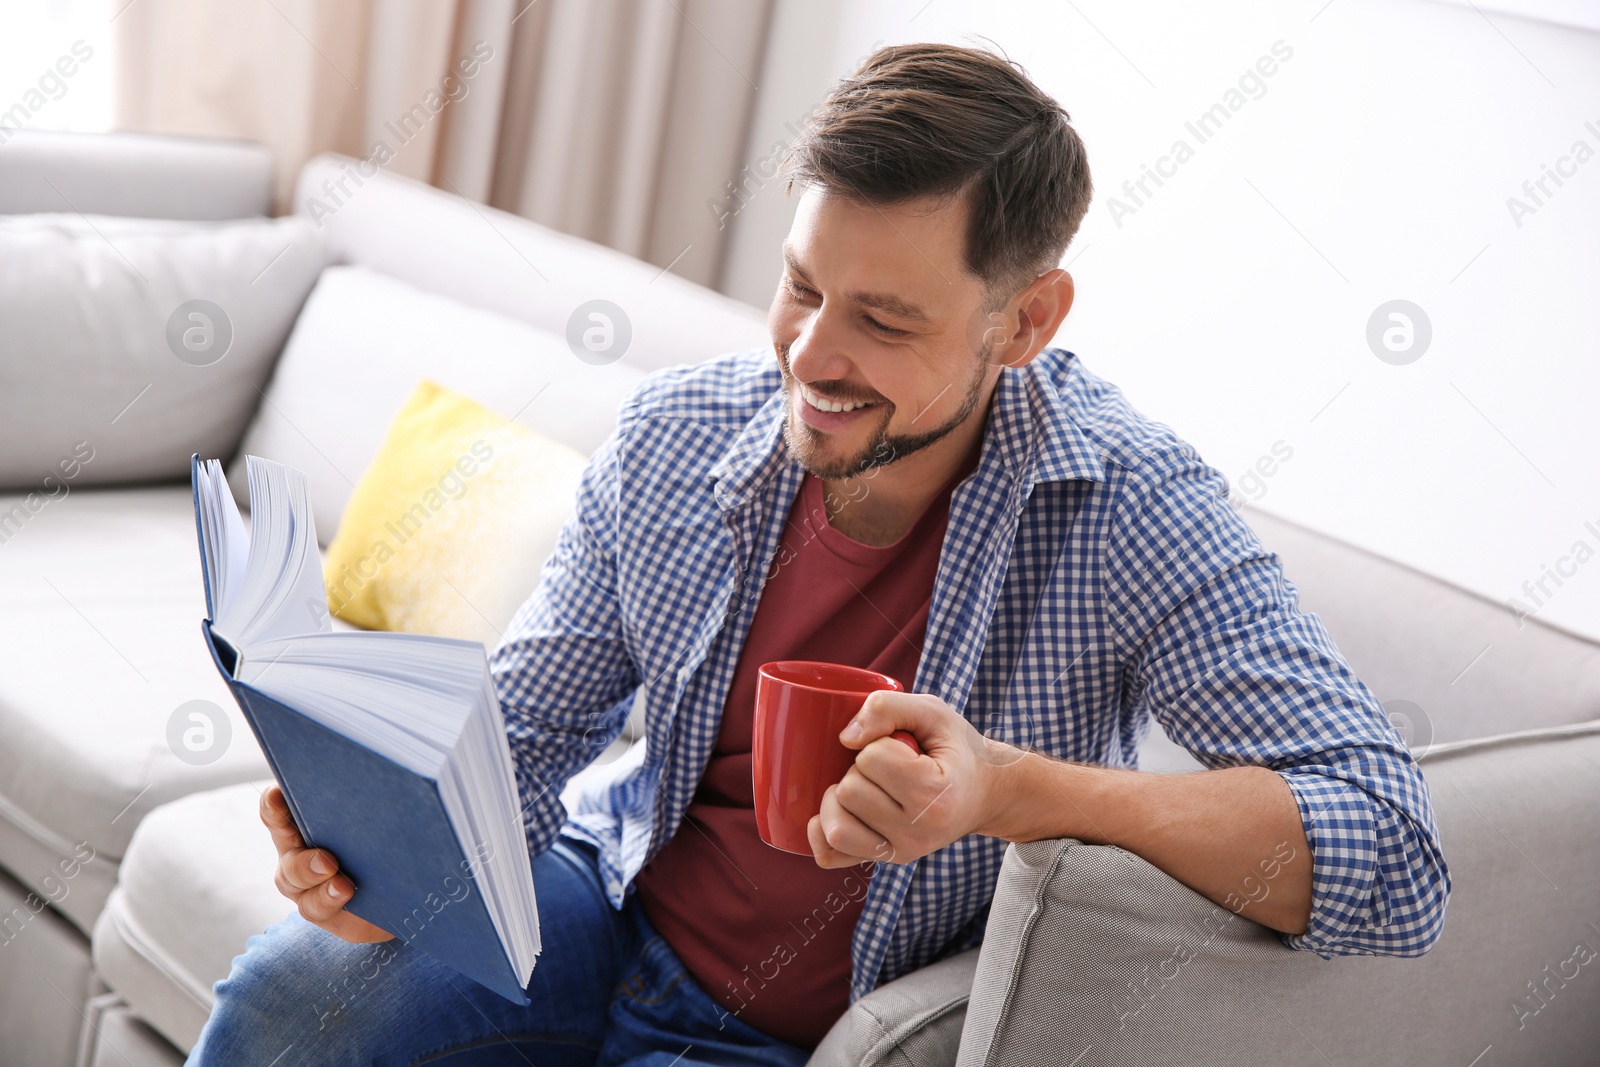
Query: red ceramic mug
x=801 y=706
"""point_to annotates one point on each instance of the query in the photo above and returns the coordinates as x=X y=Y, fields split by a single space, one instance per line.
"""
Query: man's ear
x=1023 y=328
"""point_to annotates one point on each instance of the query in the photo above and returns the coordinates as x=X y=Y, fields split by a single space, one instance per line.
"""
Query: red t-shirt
x=765 y=932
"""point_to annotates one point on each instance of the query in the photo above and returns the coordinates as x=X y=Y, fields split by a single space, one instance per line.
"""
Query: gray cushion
x=1093 y=956
x=110 y=376
x=195 y=885
x=100 y=609
x=500 y=262
x=1446 y=664
x=326 y=411
x=1462 y=664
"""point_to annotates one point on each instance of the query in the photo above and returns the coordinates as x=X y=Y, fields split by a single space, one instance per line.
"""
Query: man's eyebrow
x=886 y=302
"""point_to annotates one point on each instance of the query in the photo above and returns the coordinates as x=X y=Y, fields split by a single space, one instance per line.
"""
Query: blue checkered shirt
x=1093 y=576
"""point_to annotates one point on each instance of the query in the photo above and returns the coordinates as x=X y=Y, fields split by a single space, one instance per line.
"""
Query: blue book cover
x=387 y=825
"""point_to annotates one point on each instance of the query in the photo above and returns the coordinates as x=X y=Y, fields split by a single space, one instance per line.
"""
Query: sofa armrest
x=1092 y=952
x=913 y=1021
x=1093 y=956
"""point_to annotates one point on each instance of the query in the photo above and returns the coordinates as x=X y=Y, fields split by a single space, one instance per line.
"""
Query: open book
x=389 y=747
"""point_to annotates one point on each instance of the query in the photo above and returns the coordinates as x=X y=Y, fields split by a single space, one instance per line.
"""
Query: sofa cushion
x=504 y=263
x=195 y=885
x=363 y=342
x=100 y=645
x=1447 y=665
x=1092 y=955
x=100 y=648
x=131 y=343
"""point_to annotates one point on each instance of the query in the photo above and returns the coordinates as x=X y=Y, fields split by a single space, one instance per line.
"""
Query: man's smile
x=822 y=414
x=822 y=403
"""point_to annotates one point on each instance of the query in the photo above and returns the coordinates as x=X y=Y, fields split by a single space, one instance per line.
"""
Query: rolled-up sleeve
x=1216 y=648
x=562 y=670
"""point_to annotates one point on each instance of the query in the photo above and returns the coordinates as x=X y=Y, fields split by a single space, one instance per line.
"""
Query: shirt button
x=684 y=674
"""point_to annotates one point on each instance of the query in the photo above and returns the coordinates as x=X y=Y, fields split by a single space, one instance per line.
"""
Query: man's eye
x=800 y=292
x=797 y=289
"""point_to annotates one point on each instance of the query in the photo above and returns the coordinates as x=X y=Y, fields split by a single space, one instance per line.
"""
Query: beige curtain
x=621 y=121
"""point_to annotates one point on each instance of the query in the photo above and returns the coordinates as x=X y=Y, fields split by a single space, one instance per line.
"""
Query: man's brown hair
x=939 y=120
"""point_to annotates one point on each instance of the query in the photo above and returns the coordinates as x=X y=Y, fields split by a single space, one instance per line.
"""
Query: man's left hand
x=895 y=805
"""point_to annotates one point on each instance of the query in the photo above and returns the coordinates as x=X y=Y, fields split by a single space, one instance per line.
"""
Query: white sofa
x=100 y=595
x=100 y=603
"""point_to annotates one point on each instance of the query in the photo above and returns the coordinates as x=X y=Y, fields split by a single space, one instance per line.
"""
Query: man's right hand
x=310 y=877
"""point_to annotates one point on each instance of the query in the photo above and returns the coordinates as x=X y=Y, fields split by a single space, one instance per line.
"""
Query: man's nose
x=817 y=355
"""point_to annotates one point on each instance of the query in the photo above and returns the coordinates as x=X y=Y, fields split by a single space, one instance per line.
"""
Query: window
x=56 y=65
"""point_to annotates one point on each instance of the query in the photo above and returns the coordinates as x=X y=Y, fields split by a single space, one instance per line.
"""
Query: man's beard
x=883 y=447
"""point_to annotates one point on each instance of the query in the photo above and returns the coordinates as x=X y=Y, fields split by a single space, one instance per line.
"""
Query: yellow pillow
x=450 y=525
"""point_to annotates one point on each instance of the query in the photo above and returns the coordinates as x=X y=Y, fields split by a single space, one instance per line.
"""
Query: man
x=908 y=480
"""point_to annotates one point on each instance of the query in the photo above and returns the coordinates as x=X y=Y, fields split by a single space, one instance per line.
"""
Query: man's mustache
x=788 y=376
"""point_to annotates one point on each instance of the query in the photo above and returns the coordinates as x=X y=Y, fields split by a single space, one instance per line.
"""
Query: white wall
x=1233 y=301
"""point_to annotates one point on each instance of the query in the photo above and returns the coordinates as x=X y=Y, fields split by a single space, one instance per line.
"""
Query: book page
x=281 y=594
x=224 y=541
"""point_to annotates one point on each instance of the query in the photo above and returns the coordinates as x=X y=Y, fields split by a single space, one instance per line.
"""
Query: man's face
x=876 y=306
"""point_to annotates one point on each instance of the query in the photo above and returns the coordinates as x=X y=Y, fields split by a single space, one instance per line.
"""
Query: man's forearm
x=1235 y=836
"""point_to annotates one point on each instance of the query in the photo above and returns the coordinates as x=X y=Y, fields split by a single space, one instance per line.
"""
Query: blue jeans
x=607 y=991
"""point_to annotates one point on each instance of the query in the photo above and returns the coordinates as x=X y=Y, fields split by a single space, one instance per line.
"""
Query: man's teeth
x=826 y=405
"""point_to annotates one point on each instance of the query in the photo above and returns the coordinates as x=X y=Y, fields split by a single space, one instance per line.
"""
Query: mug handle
x=909 y=739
